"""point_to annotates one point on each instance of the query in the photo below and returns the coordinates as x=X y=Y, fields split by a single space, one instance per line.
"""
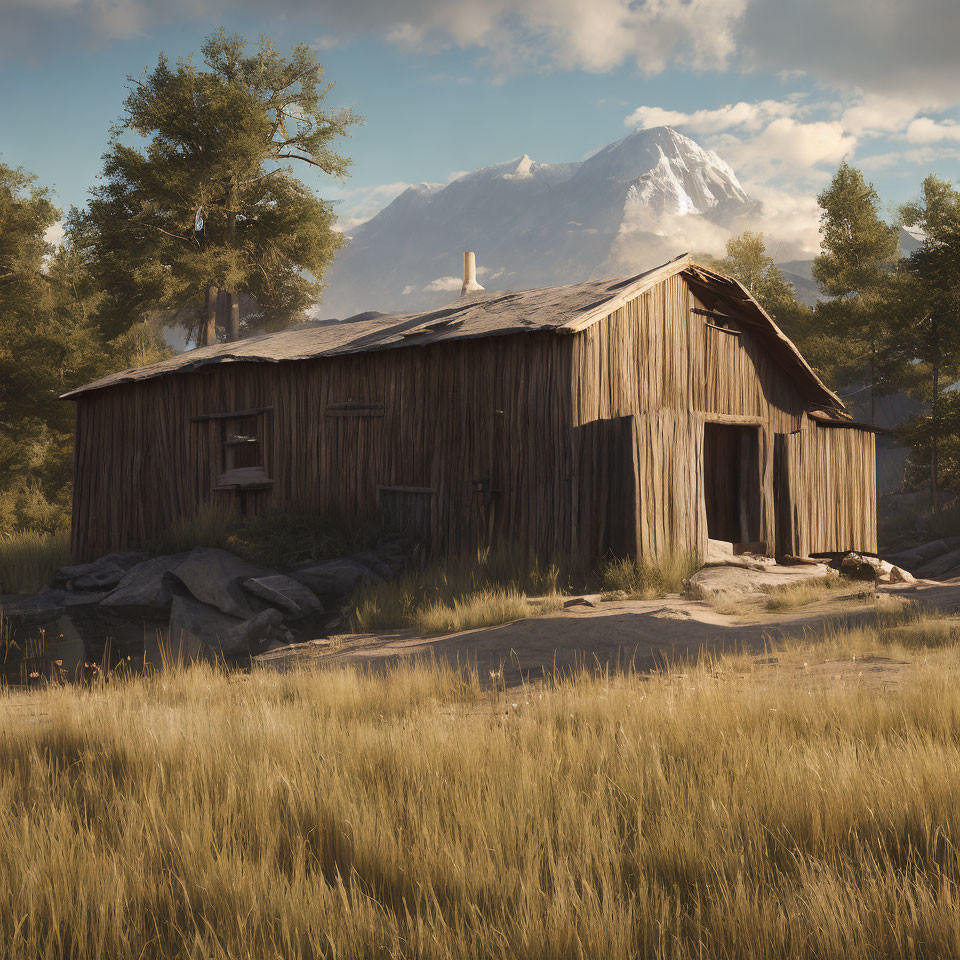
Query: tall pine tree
x=928 y=333
x=199 y=192
x=859 y=255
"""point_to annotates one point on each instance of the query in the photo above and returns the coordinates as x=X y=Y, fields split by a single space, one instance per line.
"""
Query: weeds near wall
x=644 y=579
x=459 y=593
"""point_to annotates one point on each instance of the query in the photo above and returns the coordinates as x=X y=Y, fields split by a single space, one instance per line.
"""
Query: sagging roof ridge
x=496 y=314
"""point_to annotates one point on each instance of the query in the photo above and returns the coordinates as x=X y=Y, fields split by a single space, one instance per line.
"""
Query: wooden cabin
x=635 y=416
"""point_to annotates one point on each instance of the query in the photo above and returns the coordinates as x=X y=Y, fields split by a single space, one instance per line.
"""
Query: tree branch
x=153 y=226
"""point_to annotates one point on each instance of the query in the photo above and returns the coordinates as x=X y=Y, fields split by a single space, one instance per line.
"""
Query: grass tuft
x=795 y=595
x=458 y=593
x=645 y=579
x=29 y=558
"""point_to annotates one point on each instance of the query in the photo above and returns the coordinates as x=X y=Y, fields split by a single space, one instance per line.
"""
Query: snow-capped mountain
x=639 y=200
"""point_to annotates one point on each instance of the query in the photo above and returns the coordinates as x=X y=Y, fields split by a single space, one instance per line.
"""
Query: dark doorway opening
x=731 y=482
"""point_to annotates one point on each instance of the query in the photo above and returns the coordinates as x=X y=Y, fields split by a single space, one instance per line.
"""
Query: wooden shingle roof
x=562 y=310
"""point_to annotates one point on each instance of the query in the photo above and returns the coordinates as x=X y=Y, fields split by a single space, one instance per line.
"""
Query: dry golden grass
x=707 y=811
x=643 y=580
x=796 y=595
x=482 y=609
x=29 y=558
x=458 y=593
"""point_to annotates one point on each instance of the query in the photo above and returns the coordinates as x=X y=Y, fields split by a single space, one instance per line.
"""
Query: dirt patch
x=642 y=634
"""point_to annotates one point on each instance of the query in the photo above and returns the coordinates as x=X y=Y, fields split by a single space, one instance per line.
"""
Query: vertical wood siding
x=574 y=444
x=453 y=413
x=658 y=362
x=831 y=475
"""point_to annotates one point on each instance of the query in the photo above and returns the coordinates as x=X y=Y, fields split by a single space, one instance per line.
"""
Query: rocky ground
x=125 y=608
x=204 y=603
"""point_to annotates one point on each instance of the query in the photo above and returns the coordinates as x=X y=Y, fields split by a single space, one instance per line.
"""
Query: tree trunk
x=208 y=331
x=934 y=442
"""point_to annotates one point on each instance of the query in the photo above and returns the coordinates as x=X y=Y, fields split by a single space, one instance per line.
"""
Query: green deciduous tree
x=222 y=141
x=854 y=270
x=47 y=346
x=747 y=260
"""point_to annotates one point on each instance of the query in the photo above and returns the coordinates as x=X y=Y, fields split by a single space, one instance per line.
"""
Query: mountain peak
x=635 y=201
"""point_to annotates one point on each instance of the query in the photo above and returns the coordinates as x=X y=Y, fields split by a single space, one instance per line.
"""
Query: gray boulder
x=285 y=593
x=338 y=578
x=373 y=561
x=940 y=565
x=199 y=631
x=146 y=589
x=50 y=604
x=216 y=576
x=100 y=574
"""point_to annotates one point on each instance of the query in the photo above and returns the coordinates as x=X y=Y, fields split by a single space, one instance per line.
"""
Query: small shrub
x=645 y=579
x=29 y=558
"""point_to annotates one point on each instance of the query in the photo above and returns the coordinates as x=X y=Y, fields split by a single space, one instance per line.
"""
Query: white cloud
x=927 y=130
x=882 y=46
x=874 y=115
x=787 y=146
x=748 y=116
x=444 y=284
x=55 y=233
x=909 y=159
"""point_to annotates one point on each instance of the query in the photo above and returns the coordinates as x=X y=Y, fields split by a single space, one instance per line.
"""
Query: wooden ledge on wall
x=244 y=478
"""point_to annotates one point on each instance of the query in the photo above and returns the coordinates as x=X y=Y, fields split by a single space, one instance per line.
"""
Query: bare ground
x=641 y=634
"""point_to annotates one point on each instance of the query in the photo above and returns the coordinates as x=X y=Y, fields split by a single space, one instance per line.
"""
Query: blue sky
x=781 y=93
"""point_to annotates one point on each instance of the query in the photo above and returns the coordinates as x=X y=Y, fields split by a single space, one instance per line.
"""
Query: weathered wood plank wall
x=658 y=361
x=570 y=444
x=832 y=487
x=452 y=413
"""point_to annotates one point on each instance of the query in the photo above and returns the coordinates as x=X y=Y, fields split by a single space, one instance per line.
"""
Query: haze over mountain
x=636 y=202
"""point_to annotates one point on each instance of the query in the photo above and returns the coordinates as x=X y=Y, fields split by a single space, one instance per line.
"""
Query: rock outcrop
x=204 y=604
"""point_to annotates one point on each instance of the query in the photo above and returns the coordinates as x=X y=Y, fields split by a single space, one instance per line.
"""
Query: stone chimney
x=470 y=284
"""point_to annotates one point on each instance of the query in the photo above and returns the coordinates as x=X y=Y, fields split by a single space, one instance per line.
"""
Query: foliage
x=29 y=558
x=724 y=809
x=46 y=347
x=747 y=260
x=856 y=325
x=937 y=428
x=220 y=141
x=929 y=333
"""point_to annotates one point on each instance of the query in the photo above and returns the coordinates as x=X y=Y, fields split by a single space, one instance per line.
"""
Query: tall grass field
x=719 y=809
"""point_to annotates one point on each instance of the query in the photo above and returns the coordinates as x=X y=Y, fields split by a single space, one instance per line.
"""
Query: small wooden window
x=240 y=438
x=408 y=511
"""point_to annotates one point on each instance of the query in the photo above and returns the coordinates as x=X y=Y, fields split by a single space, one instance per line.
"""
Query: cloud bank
x=886 y=47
